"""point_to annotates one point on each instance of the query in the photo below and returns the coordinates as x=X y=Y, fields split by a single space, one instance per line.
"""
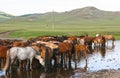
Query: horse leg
x=65 y=60
x=0 y=63
x=10 y=67
x=70 y=60
x=78 y=55
x=47 y=60
x=57 y=59
x=20 y=64
x=61 y=62
x=30 y=63
x=107 y=42
x=113 y=43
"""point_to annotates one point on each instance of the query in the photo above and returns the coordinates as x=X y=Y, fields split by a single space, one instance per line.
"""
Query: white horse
x=22 y=53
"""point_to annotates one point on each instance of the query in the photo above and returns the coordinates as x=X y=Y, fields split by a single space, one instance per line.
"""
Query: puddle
x=2 y=73
x=102 y=58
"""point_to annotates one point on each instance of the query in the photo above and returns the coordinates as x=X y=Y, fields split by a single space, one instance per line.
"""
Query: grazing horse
x=22 y=53
x=46 y=55
x=109 y=37
x=48 y=51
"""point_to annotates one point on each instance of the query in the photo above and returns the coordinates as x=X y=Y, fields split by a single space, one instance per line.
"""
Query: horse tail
x=7 y=64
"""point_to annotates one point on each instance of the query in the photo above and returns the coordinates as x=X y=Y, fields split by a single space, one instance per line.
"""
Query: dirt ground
x=101 y=74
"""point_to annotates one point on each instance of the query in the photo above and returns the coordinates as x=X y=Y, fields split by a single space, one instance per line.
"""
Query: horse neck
x=36 y=48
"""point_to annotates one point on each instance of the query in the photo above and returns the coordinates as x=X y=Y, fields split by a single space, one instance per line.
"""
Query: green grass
x=28 y=29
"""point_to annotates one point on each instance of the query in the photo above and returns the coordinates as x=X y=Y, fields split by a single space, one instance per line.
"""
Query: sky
x=21 y=7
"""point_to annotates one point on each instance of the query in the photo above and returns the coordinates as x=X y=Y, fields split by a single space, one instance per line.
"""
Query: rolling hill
x=5 y=16
x=77 y=21
x=81 y=16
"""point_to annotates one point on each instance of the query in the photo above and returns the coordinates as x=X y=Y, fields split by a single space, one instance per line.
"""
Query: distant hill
x=82 y=20
x=82 y=16
x=5 y=16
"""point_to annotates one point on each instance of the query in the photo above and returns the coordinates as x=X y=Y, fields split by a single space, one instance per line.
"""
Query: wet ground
x=102 y=60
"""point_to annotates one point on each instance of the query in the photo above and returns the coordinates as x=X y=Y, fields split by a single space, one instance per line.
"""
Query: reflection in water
x=101 y=58
x=101 y=50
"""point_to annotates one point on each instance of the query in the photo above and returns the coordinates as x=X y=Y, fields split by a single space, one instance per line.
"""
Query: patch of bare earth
x=102 y=74
x=3 y=34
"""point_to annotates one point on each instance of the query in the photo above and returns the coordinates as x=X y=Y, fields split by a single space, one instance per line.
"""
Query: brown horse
x=81 y=50
x=3 y=53
x=65 y=51
x=109 y=37
x=99 y=41
x=48 y=51
x=19 y=44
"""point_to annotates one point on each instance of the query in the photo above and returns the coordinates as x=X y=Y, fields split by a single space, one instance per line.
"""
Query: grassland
x=28 y=29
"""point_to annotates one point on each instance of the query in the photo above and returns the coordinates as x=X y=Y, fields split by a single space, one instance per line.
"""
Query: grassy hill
x=75 y=22
x=5 y=16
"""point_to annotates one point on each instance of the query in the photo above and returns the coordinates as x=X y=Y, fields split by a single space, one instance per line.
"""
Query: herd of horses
x=49 y=51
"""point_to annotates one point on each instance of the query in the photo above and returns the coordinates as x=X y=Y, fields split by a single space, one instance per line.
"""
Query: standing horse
x=99 y=41
x=109 y=37
x=81 y=50
x=22 y=53
x=3 y=53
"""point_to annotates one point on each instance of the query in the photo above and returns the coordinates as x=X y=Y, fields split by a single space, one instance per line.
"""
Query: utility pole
x=53 y=20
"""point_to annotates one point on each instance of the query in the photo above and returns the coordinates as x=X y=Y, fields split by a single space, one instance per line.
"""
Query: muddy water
x=100 y=59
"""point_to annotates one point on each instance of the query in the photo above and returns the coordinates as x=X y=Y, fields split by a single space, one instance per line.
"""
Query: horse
x=48 y=51
x=81 y=50
x=22 y=53
x=19 y=44
x=99 y=41
x=101 y=50
x=46 y=55
x=109 y=37
x=3 y=53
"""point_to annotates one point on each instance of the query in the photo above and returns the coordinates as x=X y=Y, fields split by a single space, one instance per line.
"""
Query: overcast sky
x=20 y=7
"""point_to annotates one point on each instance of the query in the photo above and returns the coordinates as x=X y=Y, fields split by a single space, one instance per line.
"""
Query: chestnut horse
x=19 y=44
x=65 y=51
x=81 y=50
x=3 y=53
